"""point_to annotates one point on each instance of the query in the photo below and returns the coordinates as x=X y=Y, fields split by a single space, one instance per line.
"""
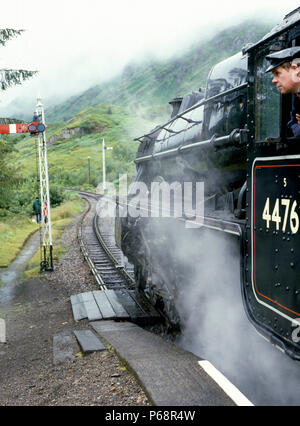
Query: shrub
x=56 y=195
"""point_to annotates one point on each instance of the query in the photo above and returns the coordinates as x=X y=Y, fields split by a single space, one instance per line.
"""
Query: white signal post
x=38 y=128
x=46 y=233
x=103 y=163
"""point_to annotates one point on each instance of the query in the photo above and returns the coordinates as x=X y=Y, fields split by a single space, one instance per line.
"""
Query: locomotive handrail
x=236 y=137
x=226 y=92
x=197 y=105
x=223 y=141
x=191 y=121
x=171 y=131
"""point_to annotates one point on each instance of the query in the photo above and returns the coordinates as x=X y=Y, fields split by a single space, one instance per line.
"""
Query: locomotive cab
x=271 y=285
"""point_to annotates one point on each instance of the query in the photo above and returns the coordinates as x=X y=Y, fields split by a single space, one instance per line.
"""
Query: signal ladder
x=37 y=128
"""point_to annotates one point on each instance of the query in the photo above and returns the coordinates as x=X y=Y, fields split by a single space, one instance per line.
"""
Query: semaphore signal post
x=37 y=128
x=46 y=232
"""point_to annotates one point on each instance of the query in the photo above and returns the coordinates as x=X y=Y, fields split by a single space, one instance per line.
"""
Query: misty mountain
x=148 y=86
x=119 y=111
x=141 y=85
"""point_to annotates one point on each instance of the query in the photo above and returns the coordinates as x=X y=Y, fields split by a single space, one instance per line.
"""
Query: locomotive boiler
x=233 y=137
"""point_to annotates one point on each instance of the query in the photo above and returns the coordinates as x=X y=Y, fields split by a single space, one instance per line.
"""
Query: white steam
x=216 y=327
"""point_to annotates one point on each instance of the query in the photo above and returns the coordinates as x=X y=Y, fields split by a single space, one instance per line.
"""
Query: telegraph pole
x=89 y=170
x=103 y=163
x=46 y=231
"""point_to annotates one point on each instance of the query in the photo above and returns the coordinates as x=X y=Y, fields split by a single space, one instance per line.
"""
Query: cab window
x=267 y=103
x=290 y=106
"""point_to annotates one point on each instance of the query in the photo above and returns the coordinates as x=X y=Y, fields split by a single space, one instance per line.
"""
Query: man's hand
x=298 y=118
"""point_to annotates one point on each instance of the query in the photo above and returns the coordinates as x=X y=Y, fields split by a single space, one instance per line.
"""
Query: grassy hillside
x=156 y=83
x=68 y=154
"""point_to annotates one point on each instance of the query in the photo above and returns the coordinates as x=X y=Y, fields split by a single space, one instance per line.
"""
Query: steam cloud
x=216 y=327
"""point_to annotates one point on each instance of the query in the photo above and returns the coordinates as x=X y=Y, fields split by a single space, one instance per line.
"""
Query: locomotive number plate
x=275 y=234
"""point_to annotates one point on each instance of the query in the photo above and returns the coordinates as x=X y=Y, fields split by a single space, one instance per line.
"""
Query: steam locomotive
x=233 y=137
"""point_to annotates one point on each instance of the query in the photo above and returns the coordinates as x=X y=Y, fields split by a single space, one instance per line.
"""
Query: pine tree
x=7 y=34
x=9 y=77
x=8 y=173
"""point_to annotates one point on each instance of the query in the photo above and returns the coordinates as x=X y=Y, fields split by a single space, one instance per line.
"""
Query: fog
x=75 y=45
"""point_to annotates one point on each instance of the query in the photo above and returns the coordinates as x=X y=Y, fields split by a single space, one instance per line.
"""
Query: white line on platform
x=2 y=331
x=225 y=384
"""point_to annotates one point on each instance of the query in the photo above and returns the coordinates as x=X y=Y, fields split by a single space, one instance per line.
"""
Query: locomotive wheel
x=139 y=278
x=152 y=294
x=143 y=286
x=171 y=313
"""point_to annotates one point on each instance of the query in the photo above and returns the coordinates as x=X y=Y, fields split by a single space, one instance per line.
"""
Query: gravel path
x=41 y=308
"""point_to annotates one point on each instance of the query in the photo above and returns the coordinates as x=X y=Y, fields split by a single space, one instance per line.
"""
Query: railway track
x=108 y=264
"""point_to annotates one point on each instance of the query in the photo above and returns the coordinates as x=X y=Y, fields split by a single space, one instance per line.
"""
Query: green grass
x=13 y=235
x=61 y=217
x=33 y=266
x=68 y=158
x=15 y=231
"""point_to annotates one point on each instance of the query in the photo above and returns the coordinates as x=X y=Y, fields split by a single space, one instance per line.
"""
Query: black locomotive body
x=232 y=136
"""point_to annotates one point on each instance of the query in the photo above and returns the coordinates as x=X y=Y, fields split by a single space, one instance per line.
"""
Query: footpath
x=34 y=313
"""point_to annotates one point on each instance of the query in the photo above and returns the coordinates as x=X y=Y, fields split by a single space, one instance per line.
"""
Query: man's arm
x=294 y=123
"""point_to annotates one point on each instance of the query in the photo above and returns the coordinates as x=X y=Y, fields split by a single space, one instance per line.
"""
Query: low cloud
x=79 y=45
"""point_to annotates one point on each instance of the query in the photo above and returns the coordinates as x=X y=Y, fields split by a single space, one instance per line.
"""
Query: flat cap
x=279 y=58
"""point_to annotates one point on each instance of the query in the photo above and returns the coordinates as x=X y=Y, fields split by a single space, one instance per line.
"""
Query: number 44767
x=290 y=215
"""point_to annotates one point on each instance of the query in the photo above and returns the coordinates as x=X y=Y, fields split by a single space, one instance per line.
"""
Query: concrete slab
x=113 y=304
x=129 y=304
x=64 y=347
x=88 y=341
x=91 y=306
x=104 y=305
x=171 y=376
x=121 y=313
x=140 y=310
x=138 y=314
x=78 y=307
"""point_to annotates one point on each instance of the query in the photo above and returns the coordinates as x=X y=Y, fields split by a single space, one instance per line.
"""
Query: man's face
x=286 y=79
